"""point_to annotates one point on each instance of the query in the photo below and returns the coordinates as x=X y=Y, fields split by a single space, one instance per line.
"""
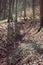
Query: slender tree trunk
x=4 y=8
x=33 y=6
x=16 y=19
x=0 y=9
x=16 y=11
x=10 y=13
x=24 y=8
x=41 y=16
x=41 y=12
x=11 y=5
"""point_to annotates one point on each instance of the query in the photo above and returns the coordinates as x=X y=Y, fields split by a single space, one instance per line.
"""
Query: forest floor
x=26 y=52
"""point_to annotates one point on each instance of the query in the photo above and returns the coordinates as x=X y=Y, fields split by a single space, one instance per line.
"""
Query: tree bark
x=16 y=11
x=11 y=5
x=0 y=9
x=24 y=8
x=41 y=13
x=41 y=16
x=4 y=8
x=16 y=19
x=33 y=6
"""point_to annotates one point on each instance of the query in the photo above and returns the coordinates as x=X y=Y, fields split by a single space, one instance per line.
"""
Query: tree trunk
x=33 y=6
x=0 y=9
x=24 y=8
x=4 y=9
x=41 y=16
x=16 y=12
x=16 y=19
x=11 y=5
x=41 y=12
